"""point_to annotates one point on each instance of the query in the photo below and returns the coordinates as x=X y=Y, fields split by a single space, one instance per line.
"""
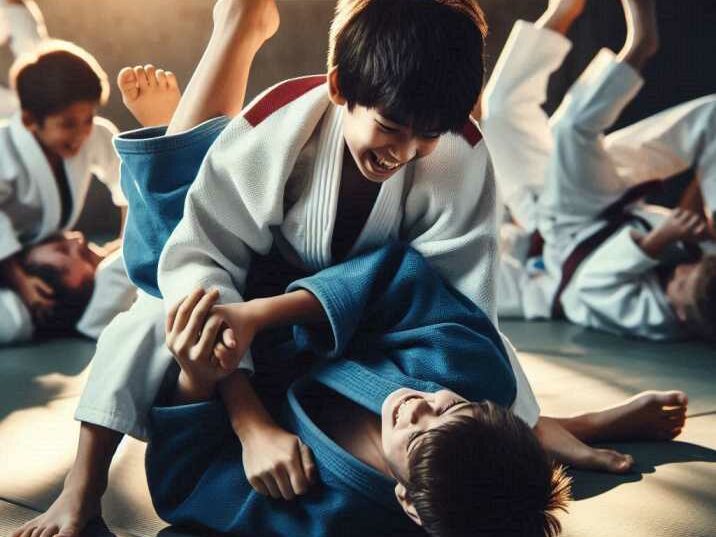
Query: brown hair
x=56 y=75
x=701 y=314
x=486 y=475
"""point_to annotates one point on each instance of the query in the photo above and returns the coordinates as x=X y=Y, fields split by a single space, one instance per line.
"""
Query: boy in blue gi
x=156 y=175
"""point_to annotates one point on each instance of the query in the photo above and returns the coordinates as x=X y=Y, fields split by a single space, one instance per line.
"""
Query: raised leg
x=581 y=179
x=516 y=128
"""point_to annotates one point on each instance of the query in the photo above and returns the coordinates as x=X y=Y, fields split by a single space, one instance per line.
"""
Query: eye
x=387 y=129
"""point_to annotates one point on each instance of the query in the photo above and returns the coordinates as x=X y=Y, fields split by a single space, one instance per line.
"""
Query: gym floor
x=672 y=491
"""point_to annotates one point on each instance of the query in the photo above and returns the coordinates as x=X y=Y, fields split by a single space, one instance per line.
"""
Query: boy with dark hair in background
x=49 y=152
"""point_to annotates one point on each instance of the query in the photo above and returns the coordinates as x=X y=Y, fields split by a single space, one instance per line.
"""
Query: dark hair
x=419 y=62
x=69 y=303
x=486 y=475
x=701 y=314
x=55 y=76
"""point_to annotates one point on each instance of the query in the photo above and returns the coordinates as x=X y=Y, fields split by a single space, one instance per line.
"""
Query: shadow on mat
x=23 y=366
x=648 y=456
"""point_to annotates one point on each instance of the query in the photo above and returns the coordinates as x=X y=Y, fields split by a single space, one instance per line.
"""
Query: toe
x=673 y=398
x=69 y=531
x=127 y=83
x=161 y=76
x=151 y=74
x=172 y=80
x=141 y=74
x=49 y=531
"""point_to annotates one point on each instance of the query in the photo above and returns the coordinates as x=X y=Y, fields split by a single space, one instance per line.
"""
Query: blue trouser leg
x=156 y=173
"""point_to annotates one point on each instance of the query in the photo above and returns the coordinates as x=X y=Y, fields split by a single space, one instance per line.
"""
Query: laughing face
x=406 y=415
x=63 y=134
x=379 y=145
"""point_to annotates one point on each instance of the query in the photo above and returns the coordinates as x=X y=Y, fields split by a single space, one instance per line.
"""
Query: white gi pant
x=24 y=27
x=128 y=367
x=558 y=174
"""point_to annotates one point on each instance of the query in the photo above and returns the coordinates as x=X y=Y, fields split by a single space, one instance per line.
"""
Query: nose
x=404 y=151
x=420 y=409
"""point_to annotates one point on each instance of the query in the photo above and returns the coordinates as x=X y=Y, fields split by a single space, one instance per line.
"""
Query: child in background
x=49 y=152
x=608 y=263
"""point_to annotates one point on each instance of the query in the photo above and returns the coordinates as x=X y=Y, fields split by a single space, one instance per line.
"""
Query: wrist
x=190 y=390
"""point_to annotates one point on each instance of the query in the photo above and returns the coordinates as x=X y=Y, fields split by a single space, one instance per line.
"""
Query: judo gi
x=113 y=293
x=283 y=153
x=393 y=323
x=23 y=29
x=31 y=205
x=568 y=173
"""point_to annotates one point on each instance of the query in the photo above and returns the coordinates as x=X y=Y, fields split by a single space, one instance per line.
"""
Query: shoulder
x=279 y=96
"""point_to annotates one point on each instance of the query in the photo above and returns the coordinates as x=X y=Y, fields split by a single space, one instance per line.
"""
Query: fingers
x=185 y=309
x=208 y=337
x=283 y=481
x=43 y=288
x=271 y=486
x=258 y=486
x=228 y=338
x=309 y=467
x=225 y=356
x=200 y=312
x=169 y=326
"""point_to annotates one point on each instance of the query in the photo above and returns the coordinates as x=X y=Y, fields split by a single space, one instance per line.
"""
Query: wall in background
x=172 y=34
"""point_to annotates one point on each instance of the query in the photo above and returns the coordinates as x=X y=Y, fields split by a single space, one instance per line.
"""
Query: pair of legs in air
x=567 y=171
x=218 y=88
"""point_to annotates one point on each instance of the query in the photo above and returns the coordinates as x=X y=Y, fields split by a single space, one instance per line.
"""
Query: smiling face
x=378 y=144
x=406 y=415
x=70 y=255
x=63 y=134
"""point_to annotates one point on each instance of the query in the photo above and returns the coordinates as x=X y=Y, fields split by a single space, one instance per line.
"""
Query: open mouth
x=399 y=407
x=383 y=165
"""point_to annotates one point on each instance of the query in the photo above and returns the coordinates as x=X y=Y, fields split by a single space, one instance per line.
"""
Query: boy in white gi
x=609 y=265
x=49 y=152
x=90 y=283
x=22 y=28
x=459 y=241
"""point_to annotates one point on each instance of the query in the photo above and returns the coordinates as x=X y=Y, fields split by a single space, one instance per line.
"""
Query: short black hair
x=57 y=75
x=69 y=303
x=486 y=475
x=419 y=62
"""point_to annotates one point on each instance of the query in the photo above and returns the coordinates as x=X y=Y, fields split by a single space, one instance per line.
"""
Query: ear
x=29 y=121
x=334 y=90
x=406 y=504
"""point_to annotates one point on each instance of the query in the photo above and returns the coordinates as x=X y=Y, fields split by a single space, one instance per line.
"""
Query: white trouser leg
x=8 y=103
x=581 y=179
x=127 y=370
x=515 y=127
x=26 y=26
x=669 y=143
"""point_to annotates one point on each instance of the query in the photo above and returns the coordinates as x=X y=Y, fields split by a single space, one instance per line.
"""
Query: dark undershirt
x=356 y=198
x=63 y=187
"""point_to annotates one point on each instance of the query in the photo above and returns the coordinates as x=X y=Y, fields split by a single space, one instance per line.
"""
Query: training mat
x=672 y=492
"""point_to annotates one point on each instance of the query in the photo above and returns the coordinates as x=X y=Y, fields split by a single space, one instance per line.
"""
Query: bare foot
x=69 y=514
x=606 y=460
x=642 y=39
x=560 y=14
x=646 y=416
x=150 y=94
x=259 y=17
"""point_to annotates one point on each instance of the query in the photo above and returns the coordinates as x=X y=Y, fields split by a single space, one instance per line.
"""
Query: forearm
x=652 y=244
x=295 y=307
x=245 y=410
